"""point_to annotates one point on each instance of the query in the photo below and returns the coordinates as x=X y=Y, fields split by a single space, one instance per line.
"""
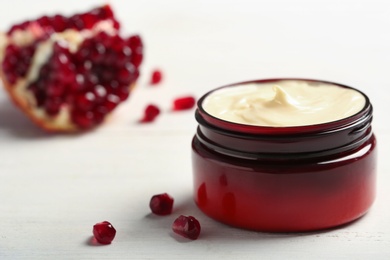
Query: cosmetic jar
x=284 y=178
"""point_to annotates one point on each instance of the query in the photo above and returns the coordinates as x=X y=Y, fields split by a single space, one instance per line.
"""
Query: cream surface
x=284 y=103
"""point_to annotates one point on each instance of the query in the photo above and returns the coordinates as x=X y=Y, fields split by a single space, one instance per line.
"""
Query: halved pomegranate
x=69 y=73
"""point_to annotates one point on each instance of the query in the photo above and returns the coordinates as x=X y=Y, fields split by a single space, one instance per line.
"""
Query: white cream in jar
x=284 y=103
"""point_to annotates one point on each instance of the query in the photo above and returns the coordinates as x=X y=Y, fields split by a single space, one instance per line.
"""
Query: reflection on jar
x=229 y=205
x=202 y=195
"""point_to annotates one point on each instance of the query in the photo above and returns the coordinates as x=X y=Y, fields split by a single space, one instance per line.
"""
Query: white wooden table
x=54 y=188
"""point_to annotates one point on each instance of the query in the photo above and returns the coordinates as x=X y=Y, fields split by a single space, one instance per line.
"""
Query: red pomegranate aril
x=111 y=102
x=150 y=113
x=137 y=59
x=103 y=12
x=83 y=119
x=161 y=204
x=59 y=23
x=134 y=42
x=77 y=22
x=184 y=103
x=104 y=232
x=52 y=106
x=100 y=93
x=85 y=101
x=44 y=21
x=96 y=55
x=124 y=75
x=16 y=61
x=98 y=115
x=156 y=77
x=187 y=226
x=117 y=44
x=55 y=89
x=122 y=93
x=40 y=95
x=136 y=47
x=89 y=20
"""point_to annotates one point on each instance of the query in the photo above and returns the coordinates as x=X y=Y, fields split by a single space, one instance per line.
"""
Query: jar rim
x=281 y=130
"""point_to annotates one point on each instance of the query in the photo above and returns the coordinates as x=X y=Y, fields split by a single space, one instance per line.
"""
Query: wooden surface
x=54 y=188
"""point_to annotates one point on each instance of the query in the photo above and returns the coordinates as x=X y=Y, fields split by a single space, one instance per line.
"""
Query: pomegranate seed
x=111 y=102
x=103 y=12
x=44 y=21
x=186 y=226
x=17 y=61
x=150 y=113
x=161 y=204
x=52 y=106
x=85 y=101
x=59 y=23
x=135 y=44
x=104 y=232
x=184 y=103
x=83 y=119
x=156 y=77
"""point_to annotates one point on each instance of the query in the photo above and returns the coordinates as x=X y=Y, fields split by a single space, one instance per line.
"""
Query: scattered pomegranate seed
x=156 y=77
x=104 y=232
x=150 y=113
x=184 y=103
x=161 y=204
x=186 y=226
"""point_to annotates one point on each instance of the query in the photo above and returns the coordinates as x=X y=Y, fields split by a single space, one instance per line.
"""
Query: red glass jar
x=284 y=179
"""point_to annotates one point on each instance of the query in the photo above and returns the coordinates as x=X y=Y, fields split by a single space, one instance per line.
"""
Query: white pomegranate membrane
x=284 y=103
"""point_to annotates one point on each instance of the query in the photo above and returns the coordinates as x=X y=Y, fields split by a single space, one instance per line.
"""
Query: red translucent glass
x=284 y=179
